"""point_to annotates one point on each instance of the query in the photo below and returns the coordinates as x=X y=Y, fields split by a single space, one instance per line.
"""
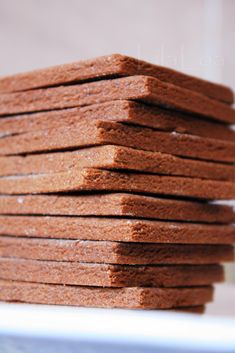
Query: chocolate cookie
x=115 y=157
x=141 y=88
x=117 y=204
x=199 y=309
x=115 y=229
x=102 y=180
x=115 y=65
x=106 y=133
x=129 y=298
x=113 y=252
x=128 y=112
x=106 y=275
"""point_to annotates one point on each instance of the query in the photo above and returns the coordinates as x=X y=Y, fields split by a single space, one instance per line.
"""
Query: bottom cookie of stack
x=130 y=298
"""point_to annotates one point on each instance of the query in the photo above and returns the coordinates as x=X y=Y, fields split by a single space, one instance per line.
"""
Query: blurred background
x=194 y=36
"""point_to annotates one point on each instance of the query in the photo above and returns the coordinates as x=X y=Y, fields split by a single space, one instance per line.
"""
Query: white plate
x=53 y=329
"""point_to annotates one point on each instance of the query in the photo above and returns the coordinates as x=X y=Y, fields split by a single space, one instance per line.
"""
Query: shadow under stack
x=109 y=170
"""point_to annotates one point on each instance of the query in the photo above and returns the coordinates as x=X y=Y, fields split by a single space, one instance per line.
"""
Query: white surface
x=26 y=328
x=51 y=329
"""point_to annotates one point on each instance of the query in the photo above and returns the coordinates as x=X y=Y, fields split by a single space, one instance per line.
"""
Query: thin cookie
x=113 y=252
x=115 y=229
x=115 y=65
x=128 y=298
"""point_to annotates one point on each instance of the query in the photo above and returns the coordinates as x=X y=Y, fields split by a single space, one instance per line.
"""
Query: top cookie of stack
x=152 y=142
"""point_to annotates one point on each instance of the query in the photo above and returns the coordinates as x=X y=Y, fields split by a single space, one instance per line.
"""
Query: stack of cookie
x=108 y=170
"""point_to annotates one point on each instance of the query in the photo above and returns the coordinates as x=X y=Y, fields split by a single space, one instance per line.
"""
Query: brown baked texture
x=114 y=229
x=198 y=309
x=115 y=135
x=128 y=112
x=141 y=88
x=115 y=157
x=107 y=275
x=129 y=298
x=113 y=252
x=115 y=65
x=106 y=133
x=101 y=180
x=117 y=204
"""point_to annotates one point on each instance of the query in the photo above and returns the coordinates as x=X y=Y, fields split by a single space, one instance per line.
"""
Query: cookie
x=117 y=204
x=115 y=157
x=116 y=229
x=115 y=65
x=113 y=252
x=141 y=88
x=199 y=309
x=106 y=275
x=106 y=133
x=89 y=179
x=129 y=298
x=128 y=112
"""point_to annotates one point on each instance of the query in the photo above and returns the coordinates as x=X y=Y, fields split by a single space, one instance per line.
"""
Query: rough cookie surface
x=130 y=298
x=115 y=229
x=89 y=179
x=113 y=252
x=129 y=112
x=117 y=204
x=141 y=88
x=111 y=66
